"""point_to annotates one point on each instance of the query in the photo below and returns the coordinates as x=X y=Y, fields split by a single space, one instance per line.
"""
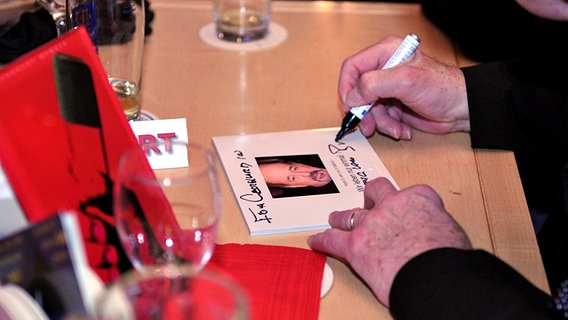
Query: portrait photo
x=296 y=175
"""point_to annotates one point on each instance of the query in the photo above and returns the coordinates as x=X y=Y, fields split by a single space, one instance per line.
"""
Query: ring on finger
x=352 y=219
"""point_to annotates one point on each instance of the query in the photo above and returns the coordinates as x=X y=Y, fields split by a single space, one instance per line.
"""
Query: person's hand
x=420 y=93
x=394 y=227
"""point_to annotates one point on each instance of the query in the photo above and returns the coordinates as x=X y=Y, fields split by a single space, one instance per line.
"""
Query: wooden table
x=294 y=86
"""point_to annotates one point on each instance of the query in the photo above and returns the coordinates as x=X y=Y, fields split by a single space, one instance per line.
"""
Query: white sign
x=166 y=130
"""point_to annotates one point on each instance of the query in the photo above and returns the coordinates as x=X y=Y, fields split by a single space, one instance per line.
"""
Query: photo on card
x=295 y=175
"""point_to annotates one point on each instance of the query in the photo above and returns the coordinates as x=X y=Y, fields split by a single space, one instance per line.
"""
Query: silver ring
x=352 y=219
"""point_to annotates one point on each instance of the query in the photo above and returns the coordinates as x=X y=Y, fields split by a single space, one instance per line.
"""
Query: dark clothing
x=32 y=30
x=38 y=27
x=521 y=107
x=429 y=287
x=490 y=30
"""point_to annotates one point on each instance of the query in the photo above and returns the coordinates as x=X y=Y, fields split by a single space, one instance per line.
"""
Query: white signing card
x=291 y=181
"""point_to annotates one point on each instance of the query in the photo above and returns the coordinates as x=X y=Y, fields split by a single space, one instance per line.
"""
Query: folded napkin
x=281 y=282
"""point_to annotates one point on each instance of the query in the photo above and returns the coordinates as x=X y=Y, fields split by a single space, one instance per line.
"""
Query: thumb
x=354 y=99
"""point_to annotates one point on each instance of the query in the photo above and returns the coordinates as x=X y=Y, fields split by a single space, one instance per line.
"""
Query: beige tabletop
x=294 y=86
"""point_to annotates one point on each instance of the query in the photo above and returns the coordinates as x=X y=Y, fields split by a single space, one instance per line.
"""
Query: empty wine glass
x=164 y=295
x=57 y=9
x=167 y=216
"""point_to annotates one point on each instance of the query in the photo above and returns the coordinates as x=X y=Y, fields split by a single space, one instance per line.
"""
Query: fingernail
x=394 y=133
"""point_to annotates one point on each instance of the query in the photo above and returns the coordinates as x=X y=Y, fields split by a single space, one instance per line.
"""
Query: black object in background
x=32 y=30
x=36 y=28
x=489 y=30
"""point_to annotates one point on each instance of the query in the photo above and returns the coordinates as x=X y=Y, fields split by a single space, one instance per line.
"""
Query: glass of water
x=119 y=38
x=241 y=20
x=116 y=28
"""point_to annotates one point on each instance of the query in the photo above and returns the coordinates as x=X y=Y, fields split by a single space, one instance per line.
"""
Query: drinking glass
x=173 y=293
x=116 y=28
x=241 y=20
x=167 y=216
x=119 y=38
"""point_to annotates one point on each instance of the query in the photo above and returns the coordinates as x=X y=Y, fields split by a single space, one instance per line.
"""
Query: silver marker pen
x=354 y=116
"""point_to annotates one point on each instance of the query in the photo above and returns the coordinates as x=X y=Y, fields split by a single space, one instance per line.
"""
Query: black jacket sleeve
x=450 y=283
x=523 y=107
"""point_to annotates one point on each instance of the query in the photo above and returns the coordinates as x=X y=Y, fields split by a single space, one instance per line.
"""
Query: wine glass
x=58 y=11
x=167 y=216
x=184 y=294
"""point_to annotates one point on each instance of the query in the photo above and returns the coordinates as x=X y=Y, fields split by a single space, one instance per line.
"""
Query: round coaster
x=327 y=280
x=276 y=35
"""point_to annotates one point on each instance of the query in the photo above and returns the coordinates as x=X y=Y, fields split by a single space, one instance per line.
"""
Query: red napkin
x=281 y=282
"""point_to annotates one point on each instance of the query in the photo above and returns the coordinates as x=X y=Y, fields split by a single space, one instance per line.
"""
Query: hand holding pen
x=356 y=114
x=423 y=93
